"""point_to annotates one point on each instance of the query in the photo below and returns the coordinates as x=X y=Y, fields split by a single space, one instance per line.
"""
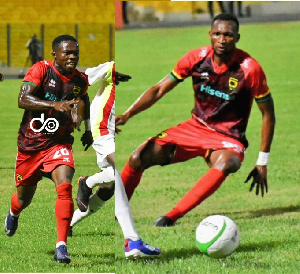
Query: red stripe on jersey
x=108 y=107
x=107 y=112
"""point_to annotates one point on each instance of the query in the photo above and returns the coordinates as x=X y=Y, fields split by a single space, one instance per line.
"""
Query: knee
x=227 y=163
x=135 y=160
x=232 y=165
x=151 y=155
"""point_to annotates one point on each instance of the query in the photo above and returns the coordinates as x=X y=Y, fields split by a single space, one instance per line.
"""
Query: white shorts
x=105 y=145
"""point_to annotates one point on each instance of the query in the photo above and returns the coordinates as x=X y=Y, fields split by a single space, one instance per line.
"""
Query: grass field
x=31 y=249
x=269 y=226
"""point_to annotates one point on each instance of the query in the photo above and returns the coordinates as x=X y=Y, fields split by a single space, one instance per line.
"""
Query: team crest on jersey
x=76 y=90
x=19 y=177
x=233 y=83
x=162 y=135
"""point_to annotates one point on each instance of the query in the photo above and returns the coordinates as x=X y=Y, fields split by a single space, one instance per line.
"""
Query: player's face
x=224 y=36
x=66 y=57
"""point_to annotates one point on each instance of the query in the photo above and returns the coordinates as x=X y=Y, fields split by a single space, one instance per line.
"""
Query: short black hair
x=227 y=17
x=64 y=37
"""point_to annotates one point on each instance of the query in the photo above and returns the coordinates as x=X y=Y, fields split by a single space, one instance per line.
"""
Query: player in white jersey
x=103 y=130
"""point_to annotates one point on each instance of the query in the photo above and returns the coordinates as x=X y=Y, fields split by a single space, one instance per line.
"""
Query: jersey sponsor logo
x=76 y=90
x=51 y=97
x=213 y=92
x=233 y=83
x=51 y=124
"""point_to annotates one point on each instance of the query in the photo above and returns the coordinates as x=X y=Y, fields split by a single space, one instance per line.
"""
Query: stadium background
x=90 y=21
x=143 y=14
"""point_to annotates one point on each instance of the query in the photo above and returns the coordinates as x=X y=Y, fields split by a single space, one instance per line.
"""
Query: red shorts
x=29 y=166
x=193 y=139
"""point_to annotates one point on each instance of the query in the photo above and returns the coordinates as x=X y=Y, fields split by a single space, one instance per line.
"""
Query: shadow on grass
x=186 y=253
x=262 y=212
x=85 y=259
x=93 y=234
x=262 y=245
x=168 y=256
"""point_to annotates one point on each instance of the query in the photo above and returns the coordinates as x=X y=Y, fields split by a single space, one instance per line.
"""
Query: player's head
x=65 y=50
x=224 y=34
x=227 y=17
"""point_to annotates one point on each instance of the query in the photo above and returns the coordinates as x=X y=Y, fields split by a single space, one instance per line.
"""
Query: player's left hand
x=120 y=77
x=259 y=174
x=87 y=139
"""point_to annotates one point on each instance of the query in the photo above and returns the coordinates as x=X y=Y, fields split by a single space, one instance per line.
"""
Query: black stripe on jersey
x=264 y=99
x=174 y=78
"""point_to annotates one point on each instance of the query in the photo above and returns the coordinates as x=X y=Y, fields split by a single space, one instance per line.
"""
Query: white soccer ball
x=217 y=236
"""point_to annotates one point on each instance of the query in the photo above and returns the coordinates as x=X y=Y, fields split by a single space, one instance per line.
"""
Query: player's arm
x=28 y=100
x=259 y=173
x=147 y=99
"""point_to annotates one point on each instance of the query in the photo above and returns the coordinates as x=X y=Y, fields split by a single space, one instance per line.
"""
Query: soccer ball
x=217 y=236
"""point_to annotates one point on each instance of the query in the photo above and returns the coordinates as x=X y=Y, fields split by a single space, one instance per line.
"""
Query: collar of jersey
x=62 y=77
x=224 y=67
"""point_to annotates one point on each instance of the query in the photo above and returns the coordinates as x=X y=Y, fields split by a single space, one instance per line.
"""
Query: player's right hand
x=65 y=106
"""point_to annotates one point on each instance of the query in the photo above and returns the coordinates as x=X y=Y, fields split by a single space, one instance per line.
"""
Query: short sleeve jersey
x=223 y=95
x=42 y=129
x=103 y=105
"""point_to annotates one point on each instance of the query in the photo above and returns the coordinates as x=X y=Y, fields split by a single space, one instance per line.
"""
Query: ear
x=53 y=54
x=238 y=37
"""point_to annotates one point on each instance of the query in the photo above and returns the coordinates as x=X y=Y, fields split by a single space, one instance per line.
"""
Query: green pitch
x=269 y=226
x=31 y=249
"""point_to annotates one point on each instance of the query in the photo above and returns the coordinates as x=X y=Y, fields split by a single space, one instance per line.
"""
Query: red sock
x=14 y=205
x=205 y=187
x=131 y=178
x=64 y=209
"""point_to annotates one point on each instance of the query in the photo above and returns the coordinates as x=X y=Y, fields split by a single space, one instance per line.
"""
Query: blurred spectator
x=239 y=6
x=211 y=7
x=124 y=12
x=35 y=48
